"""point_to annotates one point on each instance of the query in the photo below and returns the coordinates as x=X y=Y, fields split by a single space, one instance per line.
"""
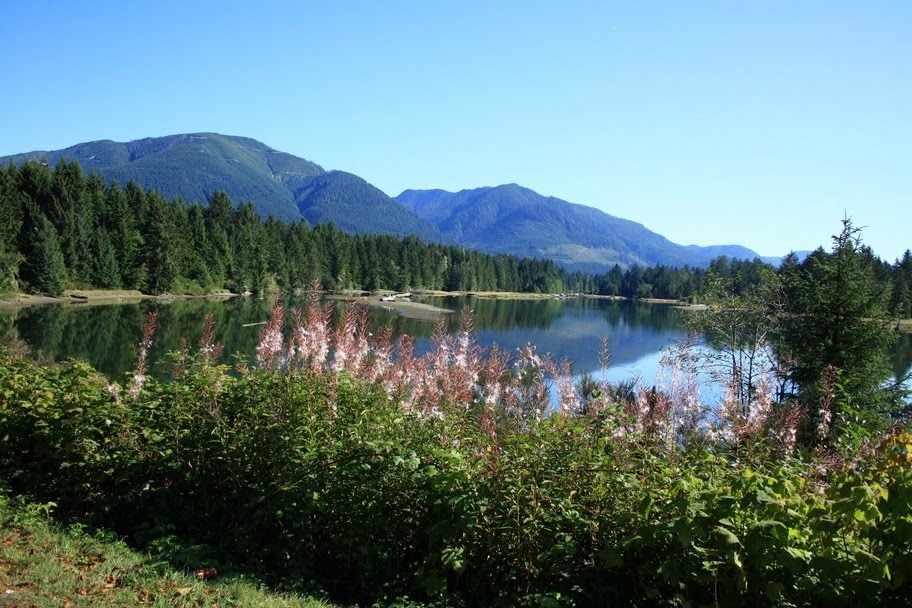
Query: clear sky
x=756 y=123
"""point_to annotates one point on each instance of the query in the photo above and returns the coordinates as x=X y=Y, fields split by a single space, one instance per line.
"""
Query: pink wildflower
x=269 y=351
x=209 y=349
x=136 y=383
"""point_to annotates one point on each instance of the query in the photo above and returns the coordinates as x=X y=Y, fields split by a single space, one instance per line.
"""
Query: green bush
x=326 y=480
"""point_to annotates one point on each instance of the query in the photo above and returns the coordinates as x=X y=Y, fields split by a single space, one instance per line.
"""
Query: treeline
x=62 y=229
x=741 y=276
x=682 y=283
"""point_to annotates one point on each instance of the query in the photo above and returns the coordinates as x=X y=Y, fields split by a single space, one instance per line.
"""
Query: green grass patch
x=43 y=564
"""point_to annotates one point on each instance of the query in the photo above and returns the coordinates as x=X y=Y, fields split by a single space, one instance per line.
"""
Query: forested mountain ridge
x=519 y=221
x=61 y=229
x=356 y=206
x=506 y=219
x=193 y=166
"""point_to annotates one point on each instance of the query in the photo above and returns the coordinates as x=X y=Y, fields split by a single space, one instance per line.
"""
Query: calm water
x=105 y=335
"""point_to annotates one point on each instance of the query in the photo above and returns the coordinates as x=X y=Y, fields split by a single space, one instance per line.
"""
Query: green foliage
x=836 y=314
x=326 y=481
x=46 y=270
x=131 y=238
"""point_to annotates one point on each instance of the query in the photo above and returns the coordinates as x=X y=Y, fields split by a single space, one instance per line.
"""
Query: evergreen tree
x=11 y=204
x=47 y=272
x=160 y=257
x=73 y=218
x=250 y=267
x=276 y=254
x=122 y=225
x=105 y=266
x=836 y=315
x=901 y=301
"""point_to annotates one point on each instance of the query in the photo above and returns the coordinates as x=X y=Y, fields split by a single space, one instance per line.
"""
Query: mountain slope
x=356 y=206
x=278 y=184
x=193 y=166
x=515 y=220
x=503 y=219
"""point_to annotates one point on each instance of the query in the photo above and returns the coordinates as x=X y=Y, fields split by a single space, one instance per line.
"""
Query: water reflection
x=902 y=356
x=572 y=328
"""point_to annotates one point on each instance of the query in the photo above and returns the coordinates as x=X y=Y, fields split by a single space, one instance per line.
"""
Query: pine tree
x=836 y=314
x=10 y=227
x=160 y=255
x=105 y=266
x=46 y=267
x=901 y=301
x=250 y=268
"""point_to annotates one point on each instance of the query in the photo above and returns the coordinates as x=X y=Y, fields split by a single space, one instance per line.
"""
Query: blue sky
x=757 y=123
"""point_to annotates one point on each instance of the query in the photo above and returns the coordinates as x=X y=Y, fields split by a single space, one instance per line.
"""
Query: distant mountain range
x=518 y=221
x=503 y=219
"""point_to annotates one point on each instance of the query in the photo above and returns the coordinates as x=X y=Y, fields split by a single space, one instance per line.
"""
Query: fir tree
x=836 y=314
x=46 y=266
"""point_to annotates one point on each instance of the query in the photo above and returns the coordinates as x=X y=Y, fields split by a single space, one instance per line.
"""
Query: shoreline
x=415 y=310
x=88 y=297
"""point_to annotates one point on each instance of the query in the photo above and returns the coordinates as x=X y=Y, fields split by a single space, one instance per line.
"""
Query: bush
x=449 y=484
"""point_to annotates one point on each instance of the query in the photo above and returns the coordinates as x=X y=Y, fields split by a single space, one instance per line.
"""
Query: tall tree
x=160 y=253
x=11 y=210
x=46 y=270
x=250 y=267
x=836 y=314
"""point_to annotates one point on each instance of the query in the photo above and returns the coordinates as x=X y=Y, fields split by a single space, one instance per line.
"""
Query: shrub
x=450 y=478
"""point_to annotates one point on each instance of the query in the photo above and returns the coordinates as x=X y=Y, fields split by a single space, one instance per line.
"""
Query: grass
x=45 y=565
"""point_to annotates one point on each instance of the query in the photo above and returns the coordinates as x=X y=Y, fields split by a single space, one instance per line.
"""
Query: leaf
x=610 y=558
x=646 y=506
x=801 y=554
x=685 y=534
x=773 y=591
x=767 y=523
x=727 y=536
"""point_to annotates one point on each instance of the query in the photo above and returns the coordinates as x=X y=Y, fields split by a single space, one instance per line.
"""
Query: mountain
x=357 y=206
x=278 y=184
x=518 y=221
x=504 y=219
x=731 y=251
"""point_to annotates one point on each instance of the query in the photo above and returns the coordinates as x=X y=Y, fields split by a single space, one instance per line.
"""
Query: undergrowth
x=346 y=465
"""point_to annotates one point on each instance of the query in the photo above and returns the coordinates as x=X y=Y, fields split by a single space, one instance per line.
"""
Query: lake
x=104 y=335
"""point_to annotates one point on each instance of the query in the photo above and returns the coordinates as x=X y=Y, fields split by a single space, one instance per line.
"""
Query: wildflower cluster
x=455 y=374
x=460 y=477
